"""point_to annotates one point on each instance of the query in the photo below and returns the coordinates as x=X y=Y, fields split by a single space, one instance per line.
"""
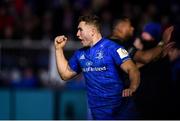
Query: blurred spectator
x=106 y=22
x=29 y=20
x=122 y=33
x=154 y=91
x=174 y=56
x=26 y=80
x=19 y=6
x=68 y=19
x=43 y=77
x=151 y=35
x=16 y=76
x=30 y=24
x=6 y=23
x=47 y=28
x=8 y=33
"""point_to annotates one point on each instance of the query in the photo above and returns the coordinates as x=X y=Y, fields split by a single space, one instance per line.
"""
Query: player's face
x=146 y=37
x=84 y=33
x=147 y=40
x=126 y=29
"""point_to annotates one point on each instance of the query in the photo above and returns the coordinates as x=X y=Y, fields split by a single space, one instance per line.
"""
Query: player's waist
x=103 y=101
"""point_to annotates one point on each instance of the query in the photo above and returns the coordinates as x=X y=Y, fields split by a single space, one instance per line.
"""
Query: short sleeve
x=119 y=54
x=74 y=63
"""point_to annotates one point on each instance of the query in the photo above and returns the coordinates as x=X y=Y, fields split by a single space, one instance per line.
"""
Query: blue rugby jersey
x=100 y=65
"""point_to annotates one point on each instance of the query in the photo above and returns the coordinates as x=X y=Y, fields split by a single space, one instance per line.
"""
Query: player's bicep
x=141 y=57
x=128 y=65
x=70 y=73
x=73 y=65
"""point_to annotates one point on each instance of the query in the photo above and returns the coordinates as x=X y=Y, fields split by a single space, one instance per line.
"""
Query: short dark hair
x=122 y=19
x=91 y=19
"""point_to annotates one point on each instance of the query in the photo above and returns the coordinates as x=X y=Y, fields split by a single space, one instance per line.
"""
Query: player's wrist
x=58 y=47
x=133 y=89
x=161 y=43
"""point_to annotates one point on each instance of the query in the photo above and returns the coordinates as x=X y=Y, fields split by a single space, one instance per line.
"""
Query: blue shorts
x=126 y=110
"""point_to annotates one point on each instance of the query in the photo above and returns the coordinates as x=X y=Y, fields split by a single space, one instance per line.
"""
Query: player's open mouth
x=82 y=41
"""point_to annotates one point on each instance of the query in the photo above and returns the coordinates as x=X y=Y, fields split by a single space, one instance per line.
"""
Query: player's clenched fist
x=60 y=42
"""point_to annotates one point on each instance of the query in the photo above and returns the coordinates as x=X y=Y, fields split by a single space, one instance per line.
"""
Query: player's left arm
x=134 y=76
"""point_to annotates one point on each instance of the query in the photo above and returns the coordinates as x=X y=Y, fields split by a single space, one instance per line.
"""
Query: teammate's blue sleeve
x=119 y=54
x=74 y=63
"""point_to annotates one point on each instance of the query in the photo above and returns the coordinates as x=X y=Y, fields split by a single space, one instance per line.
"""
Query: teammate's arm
x=134 y=77
x=64 y=69
x=143 y=57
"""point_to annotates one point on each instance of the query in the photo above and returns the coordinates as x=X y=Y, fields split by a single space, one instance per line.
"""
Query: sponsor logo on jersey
x=82 y=57
x=92 y=69
x=89 y=63
x=122 y=53
x=99 y=55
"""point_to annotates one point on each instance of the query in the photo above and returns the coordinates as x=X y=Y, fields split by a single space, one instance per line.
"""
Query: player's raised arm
x=62 y=64
x=143 y=57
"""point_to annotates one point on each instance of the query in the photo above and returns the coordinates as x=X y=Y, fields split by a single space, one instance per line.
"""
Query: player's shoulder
x=81 y=50
x=112 y=44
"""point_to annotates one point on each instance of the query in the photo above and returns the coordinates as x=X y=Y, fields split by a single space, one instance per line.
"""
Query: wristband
x=161 y=43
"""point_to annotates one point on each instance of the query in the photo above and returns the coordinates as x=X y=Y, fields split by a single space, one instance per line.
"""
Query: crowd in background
x=42 y=20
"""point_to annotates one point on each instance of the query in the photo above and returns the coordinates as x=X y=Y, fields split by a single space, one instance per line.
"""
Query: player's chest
x=95 y=58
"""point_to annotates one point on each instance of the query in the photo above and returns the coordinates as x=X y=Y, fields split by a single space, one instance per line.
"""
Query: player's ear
x=93 y=32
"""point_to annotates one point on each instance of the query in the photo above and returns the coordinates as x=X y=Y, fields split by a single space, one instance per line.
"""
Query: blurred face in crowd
x=147 y=41
x=138 y=44
x=151 y=35
x=124 y=30
x=85 y=33
x=147 y=37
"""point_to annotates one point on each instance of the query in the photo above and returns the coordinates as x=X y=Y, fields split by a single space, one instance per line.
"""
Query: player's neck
x=119 y=37
x=96 y=39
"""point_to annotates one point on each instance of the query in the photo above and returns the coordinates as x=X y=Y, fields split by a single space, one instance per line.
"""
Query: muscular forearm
x=134 y=76
x=148 y=55
x=62 y=65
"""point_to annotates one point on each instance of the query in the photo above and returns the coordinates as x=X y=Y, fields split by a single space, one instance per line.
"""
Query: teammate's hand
x=60 y=42
x=167 y=34
x=167 y=48
x=127 y=92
